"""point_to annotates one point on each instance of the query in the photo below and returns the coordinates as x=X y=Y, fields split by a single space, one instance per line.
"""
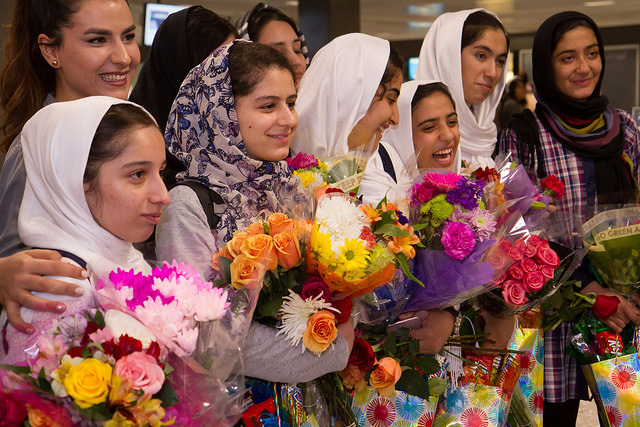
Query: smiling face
x=267 y=116
x=383 y=110
x=434 y=125
x=280 y=35
x=483 y=63
x=98 y=54
x=576 y=63
x=128 y=194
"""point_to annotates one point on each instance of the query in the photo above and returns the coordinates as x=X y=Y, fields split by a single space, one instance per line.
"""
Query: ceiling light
x=599 y=3
x=433 y=9
x=419 y=24
x=291 y=3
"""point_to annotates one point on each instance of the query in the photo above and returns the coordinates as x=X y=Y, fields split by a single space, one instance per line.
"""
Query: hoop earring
x=54 y=63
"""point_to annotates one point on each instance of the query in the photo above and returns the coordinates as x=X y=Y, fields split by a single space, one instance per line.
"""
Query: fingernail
x=60 y=308
x=29 y=330
x=85 y=274
x=79 y=291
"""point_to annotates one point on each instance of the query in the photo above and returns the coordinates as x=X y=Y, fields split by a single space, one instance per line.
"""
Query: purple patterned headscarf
x=203 y=132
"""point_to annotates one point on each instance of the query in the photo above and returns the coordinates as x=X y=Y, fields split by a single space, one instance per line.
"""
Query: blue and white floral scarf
x=203 y=132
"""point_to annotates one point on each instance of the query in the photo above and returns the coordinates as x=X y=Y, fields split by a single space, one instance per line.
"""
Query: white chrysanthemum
x=341 y=219
x=210 y=305
x=295 y=313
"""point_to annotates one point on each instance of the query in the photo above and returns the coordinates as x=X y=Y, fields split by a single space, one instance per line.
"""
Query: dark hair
x=261 y=17
x=206 y=30
x=511 y=87
x=565 y=27
x=394 y=64
x=248 y=63
x=27 y=77
x=426 y=90
x=110 y=138
x=476 y=23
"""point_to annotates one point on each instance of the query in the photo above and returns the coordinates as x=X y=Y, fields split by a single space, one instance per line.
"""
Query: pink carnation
x=458 y=240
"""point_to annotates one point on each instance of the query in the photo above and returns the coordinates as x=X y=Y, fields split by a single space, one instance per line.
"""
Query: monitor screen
x=154 y=14
x=412 y=67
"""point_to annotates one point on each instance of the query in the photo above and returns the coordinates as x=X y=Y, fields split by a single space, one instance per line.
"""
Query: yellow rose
x=386 y=375
x=246 y=272
x=321 y=331
x=287 y=248
x=278 y=223
x=260 y=248
x=234 y=245
x=88 y=382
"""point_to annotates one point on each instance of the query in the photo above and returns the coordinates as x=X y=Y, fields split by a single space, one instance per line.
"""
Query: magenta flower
x=458 y=240
x=302 y=161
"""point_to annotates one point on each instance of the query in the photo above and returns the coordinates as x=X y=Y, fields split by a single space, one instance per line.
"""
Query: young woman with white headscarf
x=89 y=206
x=347 y=97
x=468 y=51
x=427 y=137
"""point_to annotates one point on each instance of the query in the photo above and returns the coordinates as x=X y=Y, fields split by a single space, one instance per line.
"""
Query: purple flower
x=458 y=240
x=401 y=218
x=467 y=193
x=302 y=161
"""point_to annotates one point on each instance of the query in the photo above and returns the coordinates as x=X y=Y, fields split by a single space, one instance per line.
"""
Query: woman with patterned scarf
x=594 y=149
x=231 y=125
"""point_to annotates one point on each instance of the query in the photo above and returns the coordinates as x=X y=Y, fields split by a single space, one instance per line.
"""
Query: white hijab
x=54 y=213
x=336 y=92
x=440 y=60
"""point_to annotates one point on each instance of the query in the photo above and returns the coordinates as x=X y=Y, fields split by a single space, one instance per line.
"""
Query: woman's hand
x=499 y=328
x=22 y=273
x=437 y=326
x=346 y=330
x=627 y=311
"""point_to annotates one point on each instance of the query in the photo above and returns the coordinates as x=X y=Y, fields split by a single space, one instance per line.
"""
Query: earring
x=54 y=63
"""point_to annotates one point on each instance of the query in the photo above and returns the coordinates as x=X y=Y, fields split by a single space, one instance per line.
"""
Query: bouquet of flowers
x=610 y=362
x=456 y=230
x=344 y=172
x=354 y=247
x=96 y=368
x=613 y=237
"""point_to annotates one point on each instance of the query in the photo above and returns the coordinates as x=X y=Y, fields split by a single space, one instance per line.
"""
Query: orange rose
x=38 y=418
x=288 y=249
x=255 y=228
x=246 y=272
x=260 y=248
x=235 y=244
x=278 y=223
x=353 y=377
x=321 y=331
x=386 y=375
x=215 y=260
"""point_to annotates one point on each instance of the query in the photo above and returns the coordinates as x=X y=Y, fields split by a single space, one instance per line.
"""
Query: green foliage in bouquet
x=566 y=305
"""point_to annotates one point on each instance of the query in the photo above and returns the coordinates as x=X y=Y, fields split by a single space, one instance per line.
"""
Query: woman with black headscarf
x=594 y=149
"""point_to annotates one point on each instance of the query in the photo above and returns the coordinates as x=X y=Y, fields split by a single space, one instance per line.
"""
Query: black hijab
x=165 y=68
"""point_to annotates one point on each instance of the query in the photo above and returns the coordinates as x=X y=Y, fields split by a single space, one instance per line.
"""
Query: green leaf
x=414 y=347
x=412 y=382
x=20 y=370
x=43 y=384
x=437 y=386
x=556 y=300
x=428 y=365
x=167 y=395
x=389 y=347
x=99 y=319
x=402 y=261
x=390 y=230
x=271 y=307
x=225 y=268
x=418 y=227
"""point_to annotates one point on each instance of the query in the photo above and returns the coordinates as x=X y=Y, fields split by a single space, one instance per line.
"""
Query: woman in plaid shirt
x=594 y=149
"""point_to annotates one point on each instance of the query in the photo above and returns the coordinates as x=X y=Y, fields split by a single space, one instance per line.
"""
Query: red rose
x=547 y=256
x=499 y=259
x=528 y=265
x=362 y=355
x=334 y=190
x=344 y=305
x=605 y=306
x=516 y=253
x=315 y=286
x=534 y=240
x=515 y=272
x=547 y=271
x=552 y=186
x=534 y=281
x=513 y=292
x=13 y=410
